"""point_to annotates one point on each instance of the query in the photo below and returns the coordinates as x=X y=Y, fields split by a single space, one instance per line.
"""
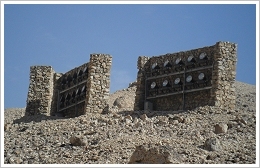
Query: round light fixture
x=189 y=79
x=153 y=85
x=203 y=55
x=165 y=83
x=154 y=65
x=201 y=76
x=177 y=81
x=190 y=58
x=178 y=60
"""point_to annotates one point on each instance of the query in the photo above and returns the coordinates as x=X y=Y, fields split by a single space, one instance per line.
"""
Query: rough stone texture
x=126 y=96
x=78 y=141
x=151 y=154
x=140 y=83
x=79 y=91
x=224 y=74
x=40 y=139
x=221 y=128
x=212 y=144
x=40 y=92
x=98 y=84
x=120 y=102
x=54 y=103
x=217 y=90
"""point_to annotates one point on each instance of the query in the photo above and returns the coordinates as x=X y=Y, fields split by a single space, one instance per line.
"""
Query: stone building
x=81 y=90
x=186 y=80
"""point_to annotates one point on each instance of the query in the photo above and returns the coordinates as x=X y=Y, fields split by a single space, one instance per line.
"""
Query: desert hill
x=205 y=135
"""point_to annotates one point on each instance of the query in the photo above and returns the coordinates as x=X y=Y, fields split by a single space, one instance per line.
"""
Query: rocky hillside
x=206 y=135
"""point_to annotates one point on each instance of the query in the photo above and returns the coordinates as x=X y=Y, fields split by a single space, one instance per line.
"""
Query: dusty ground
x=114 y=138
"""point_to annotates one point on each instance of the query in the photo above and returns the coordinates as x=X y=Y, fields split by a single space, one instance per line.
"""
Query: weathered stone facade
x=99 y=83
x=40 y=92
x=81 y=90
x=186 y=80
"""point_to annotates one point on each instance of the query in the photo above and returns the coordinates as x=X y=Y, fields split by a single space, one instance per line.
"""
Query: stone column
x=98 y=83
x=224 y=75
x=40 y=92
x=140 y=90
x=54 y=102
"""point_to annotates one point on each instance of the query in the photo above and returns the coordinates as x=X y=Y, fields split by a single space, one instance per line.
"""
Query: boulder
x=121 y=102
x=174 y=122
x=212 y=144
x=7 y=127
x=78 y=141
x=221 y=128
x=151 y=154
x=144 y=117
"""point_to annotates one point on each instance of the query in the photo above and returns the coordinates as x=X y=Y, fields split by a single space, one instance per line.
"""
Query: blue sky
x=64 y=36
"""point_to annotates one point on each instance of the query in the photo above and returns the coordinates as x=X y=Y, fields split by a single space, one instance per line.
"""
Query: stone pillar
x=54 y=102
x=224 y=74
x=98 y=83
x=140 y=90
x=40 y=92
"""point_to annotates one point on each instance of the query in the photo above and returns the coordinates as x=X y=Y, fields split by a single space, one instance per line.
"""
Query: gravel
x=114 y=137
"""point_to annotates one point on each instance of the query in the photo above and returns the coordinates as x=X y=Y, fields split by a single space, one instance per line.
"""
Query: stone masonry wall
x=83 y=89
x=224 y=75
x=40 y=90
x=218 y=89
x=99 y=83
x=140 y=83
x=54 y=107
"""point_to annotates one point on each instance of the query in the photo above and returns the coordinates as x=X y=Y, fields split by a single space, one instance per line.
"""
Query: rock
x=174 y=122
x=127 y=121
x=236 y=160
x=120 y=102
x=162 y=120
x=110 y=122
x=144 y=117
x=83 y=121
x=15 y=160
x=138 y=124
x=151 y=154
x=46 y=141
x=7 y=127
x=212 y=144
x=221 y=128
x=129 y=117
x=186 y=120
x=23 y=129
x=132 y=84
x=180 y=119
x=77 y=141
x=211 y=157
x=231 y=124
x=113 y=109
x=243 y=121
